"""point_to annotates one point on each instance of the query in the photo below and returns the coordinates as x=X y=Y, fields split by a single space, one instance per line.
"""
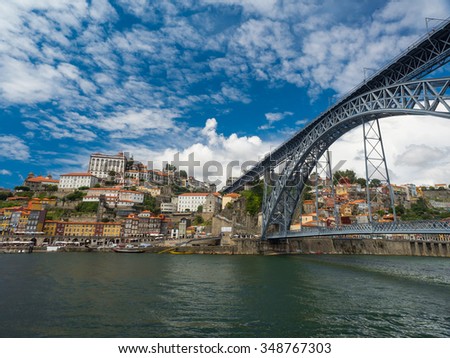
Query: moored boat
x=128 y=250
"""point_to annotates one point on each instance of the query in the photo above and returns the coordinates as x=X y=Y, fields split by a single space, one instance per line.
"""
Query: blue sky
x=226 y=80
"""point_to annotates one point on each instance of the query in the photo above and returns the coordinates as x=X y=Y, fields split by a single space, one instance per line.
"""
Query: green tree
x=200 y=209
x=4 y=195
x=253 y=198
x=76 y=195
x=341 y=174
x=183 y=174
x=22 y=188
x=51 y=188
x=83 y=188
x=362 y=182
x=198 y=220
x=375 y=183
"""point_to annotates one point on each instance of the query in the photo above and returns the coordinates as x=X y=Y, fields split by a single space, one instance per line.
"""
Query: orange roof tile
x=41 y=179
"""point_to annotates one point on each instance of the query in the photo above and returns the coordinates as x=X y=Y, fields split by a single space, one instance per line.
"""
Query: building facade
x=73 y=181
x=102 y=165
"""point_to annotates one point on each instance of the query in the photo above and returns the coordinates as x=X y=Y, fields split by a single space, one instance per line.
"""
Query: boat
x=129 y=249
x=174 y=252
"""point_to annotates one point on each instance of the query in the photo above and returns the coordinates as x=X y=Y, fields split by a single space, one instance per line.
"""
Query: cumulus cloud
x=13 y=148
x=273 y=117
x=426 y=161
x=216 y=155
x=5 y=172
x=79 y=71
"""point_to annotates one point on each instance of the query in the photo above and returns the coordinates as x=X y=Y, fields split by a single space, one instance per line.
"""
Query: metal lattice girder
x=421 y=58
x=427 y=97
x=401 y=227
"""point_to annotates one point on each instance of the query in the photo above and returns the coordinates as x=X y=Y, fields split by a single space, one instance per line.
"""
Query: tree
x=183 y=174
x=76 y=195
x=200 y=209
x=341 y=174
x=83 y=188
x=97 y=185
x=362 y=182
x=22 y=188
x=51 y=188
x=253 y=198
x=375 y=183
x=112 y=173
x=198 y=220
x=4 y=195
x=170 y=167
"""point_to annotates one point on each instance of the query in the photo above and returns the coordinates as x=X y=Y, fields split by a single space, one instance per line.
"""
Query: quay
x=429 y=247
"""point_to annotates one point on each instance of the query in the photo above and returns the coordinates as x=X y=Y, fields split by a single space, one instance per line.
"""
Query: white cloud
x=131 y=123
x=231 y=152
x=5 y=172
x=416 y=148
x=273 y=117
x=13 y=148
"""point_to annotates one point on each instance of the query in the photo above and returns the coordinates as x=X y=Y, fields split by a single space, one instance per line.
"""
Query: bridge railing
x=403 y=227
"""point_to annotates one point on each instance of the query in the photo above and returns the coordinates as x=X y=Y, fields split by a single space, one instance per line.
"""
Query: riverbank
x=305 y=246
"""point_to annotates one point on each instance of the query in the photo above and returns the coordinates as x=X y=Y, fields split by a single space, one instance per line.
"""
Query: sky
x=227 y=80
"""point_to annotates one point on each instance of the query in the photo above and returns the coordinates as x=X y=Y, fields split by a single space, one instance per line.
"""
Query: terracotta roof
x=232 y=195
x=41 y=179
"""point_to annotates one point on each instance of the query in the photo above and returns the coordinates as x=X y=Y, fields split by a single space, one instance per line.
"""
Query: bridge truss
x=426 y=97
x=421 y=58
x=391 y=91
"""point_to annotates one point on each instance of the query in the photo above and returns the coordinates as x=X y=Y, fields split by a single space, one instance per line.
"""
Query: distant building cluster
x=120 y=197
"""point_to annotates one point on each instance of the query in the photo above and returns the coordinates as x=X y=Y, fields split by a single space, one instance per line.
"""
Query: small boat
x=174 y=252
x=128 y=250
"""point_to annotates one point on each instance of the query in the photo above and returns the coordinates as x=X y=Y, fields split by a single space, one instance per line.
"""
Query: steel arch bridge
x=389 y=92
x=426 y=97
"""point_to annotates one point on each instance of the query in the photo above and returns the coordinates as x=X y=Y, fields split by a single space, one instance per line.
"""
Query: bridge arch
x=425 y=97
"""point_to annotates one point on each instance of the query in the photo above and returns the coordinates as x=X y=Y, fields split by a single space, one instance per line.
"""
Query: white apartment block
x=100 y=165
x=191 y=201
x=72 y=181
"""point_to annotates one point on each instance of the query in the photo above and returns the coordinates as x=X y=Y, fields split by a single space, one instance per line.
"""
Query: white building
x=115 y=195
x=72 y=181
x=191 y=201
x=168 y=208
x=101 y=165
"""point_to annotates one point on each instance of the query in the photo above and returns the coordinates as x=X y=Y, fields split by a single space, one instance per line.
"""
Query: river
x=151 y=295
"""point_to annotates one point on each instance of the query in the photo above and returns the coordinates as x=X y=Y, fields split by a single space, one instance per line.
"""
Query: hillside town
x=120 y=200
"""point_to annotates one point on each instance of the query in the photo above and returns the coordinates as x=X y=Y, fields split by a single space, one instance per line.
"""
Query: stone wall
x=344 y=246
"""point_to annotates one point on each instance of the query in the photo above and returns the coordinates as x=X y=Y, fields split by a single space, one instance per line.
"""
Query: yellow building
x=23 y=221
x=50 y=227
x=229 y=198
x=82 y=229
x=79 y=229
x=112 y=229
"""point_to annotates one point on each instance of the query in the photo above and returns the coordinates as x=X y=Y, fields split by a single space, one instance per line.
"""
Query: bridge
x=402 y=87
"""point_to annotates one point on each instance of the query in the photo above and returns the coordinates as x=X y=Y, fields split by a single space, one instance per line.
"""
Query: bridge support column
x=376 y=168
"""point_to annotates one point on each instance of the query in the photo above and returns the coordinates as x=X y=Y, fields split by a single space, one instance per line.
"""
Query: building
x=82 y=229
x=73 y=181
x=39 y=183
x=115 y=196
x=168 y=208
x=192 y=201
x=229 y=198
x=106 y=166
x=213 y=203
